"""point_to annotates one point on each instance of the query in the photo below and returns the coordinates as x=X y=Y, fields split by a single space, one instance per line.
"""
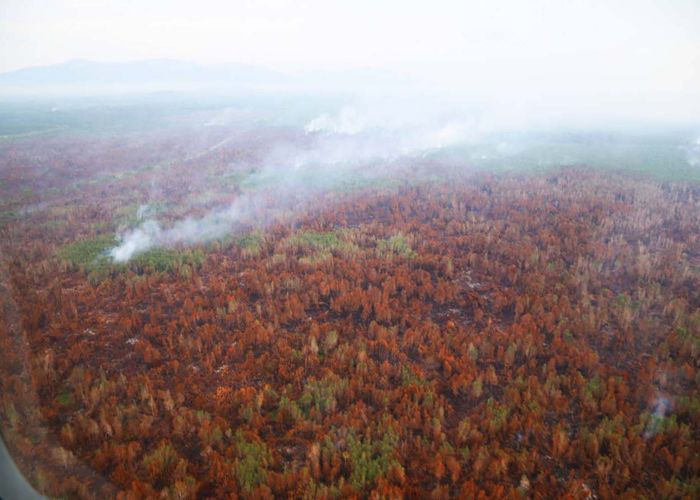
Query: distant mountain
x=156 y=72
x=167 y=74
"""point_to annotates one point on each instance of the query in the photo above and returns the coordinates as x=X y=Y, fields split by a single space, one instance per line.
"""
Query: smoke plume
x=356 y=142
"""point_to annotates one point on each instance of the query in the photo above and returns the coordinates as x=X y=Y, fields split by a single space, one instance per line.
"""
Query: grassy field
x=661 y=155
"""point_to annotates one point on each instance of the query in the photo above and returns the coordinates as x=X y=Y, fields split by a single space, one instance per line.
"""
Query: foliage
x=322 y=395
x=91 y=255
x=312 y=242
x=250 y=244
x=165 y=260
x=397 y=245
x=88 y=253
x=250 y=466
x=370 y=459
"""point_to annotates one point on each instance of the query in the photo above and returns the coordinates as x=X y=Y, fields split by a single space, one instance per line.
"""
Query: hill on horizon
x=167 y=74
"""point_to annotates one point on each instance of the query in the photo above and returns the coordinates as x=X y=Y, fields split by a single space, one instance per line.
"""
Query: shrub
x=90 y=252
x=311 y=242
x=397 y=245
x=250 y=244
x=250 y=466
x=371 y=458
x=322 y=394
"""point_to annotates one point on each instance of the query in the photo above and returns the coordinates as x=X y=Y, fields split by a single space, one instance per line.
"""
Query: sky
x=597 y=51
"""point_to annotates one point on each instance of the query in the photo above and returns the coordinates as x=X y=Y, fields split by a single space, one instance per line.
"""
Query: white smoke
x=137 y=241
x=348 y=121
x=356 y=141
x=213 y=225
x=661 y=407
x=692 y=153
x=143 y=211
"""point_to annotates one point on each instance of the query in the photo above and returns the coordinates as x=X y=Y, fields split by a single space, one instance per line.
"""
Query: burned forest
x=423 y=329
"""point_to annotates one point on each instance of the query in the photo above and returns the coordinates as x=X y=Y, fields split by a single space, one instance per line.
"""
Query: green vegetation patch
x=86 y=253
x=371 y=458
x=92 y=256
x=157 y=259
x=318 y=246
x=321 y=395
x=396 y=246
x=250 y=466
x=313 y=240
x=162 y=260
x=250 y=244
x=657 y=154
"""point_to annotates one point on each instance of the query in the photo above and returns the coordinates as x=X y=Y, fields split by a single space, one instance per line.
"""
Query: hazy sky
x=614 y=50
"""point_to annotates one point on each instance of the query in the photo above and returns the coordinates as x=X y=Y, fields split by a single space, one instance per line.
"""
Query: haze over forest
x=312 y=249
